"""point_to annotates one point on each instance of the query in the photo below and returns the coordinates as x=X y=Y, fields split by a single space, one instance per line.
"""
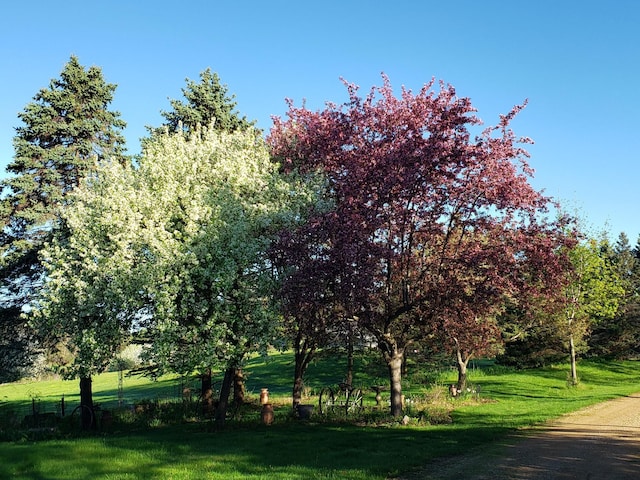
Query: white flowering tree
x=179 y=245
x=87 y=304
x=214 y=204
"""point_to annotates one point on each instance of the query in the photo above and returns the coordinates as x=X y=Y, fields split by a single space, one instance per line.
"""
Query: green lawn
x=372 y=448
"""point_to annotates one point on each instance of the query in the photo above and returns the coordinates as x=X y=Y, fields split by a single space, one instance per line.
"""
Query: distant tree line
x=607 y=324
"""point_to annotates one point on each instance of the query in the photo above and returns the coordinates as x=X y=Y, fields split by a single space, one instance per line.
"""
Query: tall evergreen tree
x=205 y=103
x=67 y=129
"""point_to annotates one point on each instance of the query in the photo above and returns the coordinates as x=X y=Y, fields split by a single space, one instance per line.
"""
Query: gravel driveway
x=598 y=442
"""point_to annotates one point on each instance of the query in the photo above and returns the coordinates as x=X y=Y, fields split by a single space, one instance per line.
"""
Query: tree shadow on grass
x=291 y=451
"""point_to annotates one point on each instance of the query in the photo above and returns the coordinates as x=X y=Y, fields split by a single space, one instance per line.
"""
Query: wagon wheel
x=79 y=412
x=327 y=401
x=354 y=401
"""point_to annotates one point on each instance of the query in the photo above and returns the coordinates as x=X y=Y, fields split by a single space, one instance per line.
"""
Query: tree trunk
x=302 y=355
x=462 y=362
x=462 y=377
x=298 y=382
x=349 y=377
x=394 y=363
x=87 y=417
x=302 y=360
x=223 y=401
x=574 y=369
x=207 y=392
x=238 y=386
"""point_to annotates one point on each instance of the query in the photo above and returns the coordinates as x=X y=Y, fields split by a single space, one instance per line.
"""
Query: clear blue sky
x=577 y=61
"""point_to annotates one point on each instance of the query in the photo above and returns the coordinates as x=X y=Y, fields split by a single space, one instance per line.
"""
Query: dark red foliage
x=430 y=230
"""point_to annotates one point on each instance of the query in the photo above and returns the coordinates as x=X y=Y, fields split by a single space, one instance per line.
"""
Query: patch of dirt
x=598 y=442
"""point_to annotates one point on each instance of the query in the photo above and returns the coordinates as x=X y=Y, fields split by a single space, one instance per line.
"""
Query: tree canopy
x=211 y=206
x=206 y=103
x=88 y=302
x=66 y=131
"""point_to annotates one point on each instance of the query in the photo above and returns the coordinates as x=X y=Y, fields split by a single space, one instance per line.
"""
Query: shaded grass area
x=370 y=446
x=286 y=451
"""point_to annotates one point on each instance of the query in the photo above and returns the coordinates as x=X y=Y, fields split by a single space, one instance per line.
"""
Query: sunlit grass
x=48 y=393
x=533 y=396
